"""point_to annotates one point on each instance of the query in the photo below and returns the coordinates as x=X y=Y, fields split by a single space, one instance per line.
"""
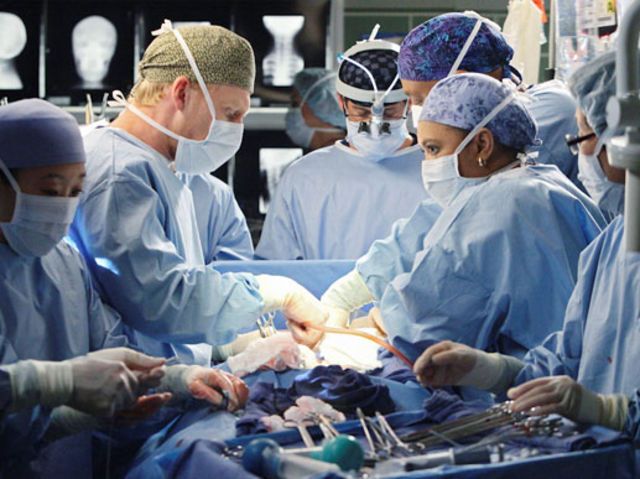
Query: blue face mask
x=297 y=129
x=39 y=223
x=607 y=194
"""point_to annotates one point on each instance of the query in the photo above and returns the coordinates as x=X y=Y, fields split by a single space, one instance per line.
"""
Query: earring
x=482 y=162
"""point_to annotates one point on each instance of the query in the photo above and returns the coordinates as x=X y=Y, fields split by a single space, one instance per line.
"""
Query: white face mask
x=196 y=156
x=441 y=176
x=39 y=222
x=380 y=146
x=607 y=194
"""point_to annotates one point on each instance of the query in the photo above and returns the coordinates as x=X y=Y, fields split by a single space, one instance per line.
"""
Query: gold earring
x=482 y=162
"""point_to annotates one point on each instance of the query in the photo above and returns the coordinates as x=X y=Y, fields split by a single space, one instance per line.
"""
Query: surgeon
x=467 y=42
x=315 y=119
x=136 y=223
x=587 y=370
x=505 y=224
x=334 y=202
x=48 y=310
x=592 y=85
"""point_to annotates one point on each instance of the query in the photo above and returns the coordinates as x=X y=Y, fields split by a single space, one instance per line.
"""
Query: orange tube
x=354 y=332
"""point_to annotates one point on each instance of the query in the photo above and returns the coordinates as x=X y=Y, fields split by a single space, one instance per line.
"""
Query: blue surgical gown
x=223 y=229
x=554 y=110
x=393 y=255
x=599 y=344
x=334 y=203
x=136 y=226
x=498 y=266
x=48 y=311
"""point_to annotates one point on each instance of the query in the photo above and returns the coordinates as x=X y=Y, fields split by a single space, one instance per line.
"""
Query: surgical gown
x=48 y=311
x=223 y=229
x=393 y=255
x=498 y=266
x=554 y=110
x=334 y=203
x=136 y=226
x=599 y=344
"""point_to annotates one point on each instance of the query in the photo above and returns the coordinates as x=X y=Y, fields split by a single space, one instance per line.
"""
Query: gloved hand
x=147 y=369
x=563 y=395
x=299 y=306
x=88 y=383
x=208 y=384
x=454 y=364
x=344 y=296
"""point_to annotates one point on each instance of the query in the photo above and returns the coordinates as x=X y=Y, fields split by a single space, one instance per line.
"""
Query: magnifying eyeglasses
x=573 y=142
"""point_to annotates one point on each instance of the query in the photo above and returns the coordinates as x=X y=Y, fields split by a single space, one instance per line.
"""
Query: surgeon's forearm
x=39 y=382
x=493 y=372
x=348 y=293
x=225 y=351
x=608 y=410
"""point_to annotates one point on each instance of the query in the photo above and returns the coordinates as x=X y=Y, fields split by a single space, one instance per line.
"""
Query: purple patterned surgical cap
x=464 y=100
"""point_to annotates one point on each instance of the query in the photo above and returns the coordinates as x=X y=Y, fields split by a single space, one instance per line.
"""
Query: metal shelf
x=258 y=118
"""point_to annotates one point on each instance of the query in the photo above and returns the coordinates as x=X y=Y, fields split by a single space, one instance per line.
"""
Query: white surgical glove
x=298 y=305
x=208 y=384
x=454 y=364
x=563 y=395
x=147 y=369
x=89 y=384
x=345 y=296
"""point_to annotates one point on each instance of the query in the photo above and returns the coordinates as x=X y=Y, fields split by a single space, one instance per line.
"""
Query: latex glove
x=207 y=384
x=454 y=364
x=563 y=395
x=147 y=369
x=345 y=296
x=277 y=352
x=89 y=384
x=298 y=305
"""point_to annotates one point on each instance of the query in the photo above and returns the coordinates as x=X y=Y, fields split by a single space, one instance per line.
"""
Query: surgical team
x=489 y=245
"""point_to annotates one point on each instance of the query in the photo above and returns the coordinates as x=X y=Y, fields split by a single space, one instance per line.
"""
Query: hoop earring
x=482 y=162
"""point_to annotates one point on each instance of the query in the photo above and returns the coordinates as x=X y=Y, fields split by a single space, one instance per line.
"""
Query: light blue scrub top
x=599 y=344
x=498 y=266
x=334 y=203
x=48 y=311
x=223 y=229
x=136 y=226
x=554 y=110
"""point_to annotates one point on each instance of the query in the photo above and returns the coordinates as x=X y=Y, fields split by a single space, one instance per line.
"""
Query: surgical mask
x=299 y=132
x=607 y=194
x=441 y=176
x=379 y=146
x=195 y=156
x=39 y=223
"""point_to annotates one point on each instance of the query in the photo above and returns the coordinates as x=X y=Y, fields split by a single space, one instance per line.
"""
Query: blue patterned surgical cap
x=429 y=50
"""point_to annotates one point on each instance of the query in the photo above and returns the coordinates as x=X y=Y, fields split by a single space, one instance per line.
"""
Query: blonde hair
x=146 y=93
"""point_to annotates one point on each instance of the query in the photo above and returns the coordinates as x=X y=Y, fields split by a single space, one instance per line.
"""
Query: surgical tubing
x=380 y=342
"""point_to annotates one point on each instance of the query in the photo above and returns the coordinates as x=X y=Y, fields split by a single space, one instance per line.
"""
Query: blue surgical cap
x=464 y=100
x=429 y=50
x=317 y=87
x=35 y=133
x=592 y=85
